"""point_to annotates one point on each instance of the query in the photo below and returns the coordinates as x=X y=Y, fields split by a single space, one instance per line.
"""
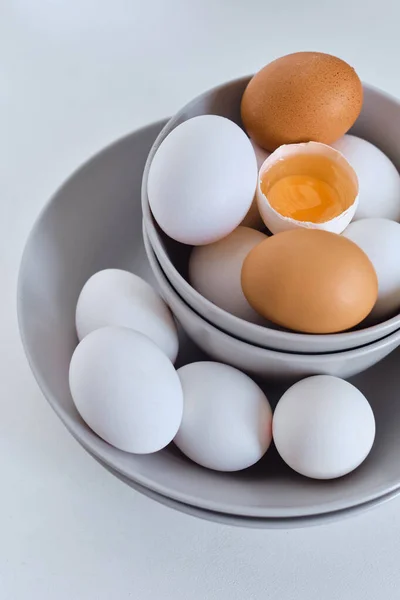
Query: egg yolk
x=305 y=198
x=308 y=187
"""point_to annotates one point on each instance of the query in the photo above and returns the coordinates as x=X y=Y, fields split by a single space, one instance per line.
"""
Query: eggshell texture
x=116 y=297
x=202 y=180
x=215 y=271
x=126 y=390
x=323 y=427
x=309 y=157
x=227 y=418
x=301 y=97
x=310 y=281
x=379 y=180
x=380 y=240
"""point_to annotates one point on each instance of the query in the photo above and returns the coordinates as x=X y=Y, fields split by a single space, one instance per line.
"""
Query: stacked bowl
x=266 y=351
x=101 y=219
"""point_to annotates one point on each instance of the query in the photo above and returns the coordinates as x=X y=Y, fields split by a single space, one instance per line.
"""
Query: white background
x=74 y=76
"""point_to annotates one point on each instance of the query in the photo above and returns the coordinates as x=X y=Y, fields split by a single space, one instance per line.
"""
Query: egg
x=215 y=271
x=301 y=97
x=307 y=185
x=253 y=218
x=261 y=154
x=380 y=240
x=126 y=390
x=116 y=297
x=379 y=180
x=226 y=424
x=323 y=427
x=310 y=281
x=202 y=180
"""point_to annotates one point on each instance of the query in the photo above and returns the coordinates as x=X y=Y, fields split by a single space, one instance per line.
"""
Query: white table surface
x=74 y=76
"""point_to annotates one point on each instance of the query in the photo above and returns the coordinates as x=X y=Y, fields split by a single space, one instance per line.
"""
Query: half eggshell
x=312 y=159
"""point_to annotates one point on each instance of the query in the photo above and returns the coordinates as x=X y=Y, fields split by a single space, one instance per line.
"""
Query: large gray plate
x=252 y=522
x=94 y=222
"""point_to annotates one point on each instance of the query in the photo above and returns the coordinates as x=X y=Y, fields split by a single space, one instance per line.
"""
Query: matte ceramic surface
x=379 y=123
x=251 y=522
x=93 y=222
x=262 y=362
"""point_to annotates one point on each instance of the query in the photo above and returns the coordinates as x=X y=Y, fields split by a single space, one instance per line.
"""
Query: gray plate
x=94 y=222
x=251 y=522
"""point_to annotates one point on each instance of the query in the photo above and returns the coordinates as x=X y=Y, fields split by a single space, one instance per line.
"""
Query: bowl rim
x=243 y=521
x=252 y=328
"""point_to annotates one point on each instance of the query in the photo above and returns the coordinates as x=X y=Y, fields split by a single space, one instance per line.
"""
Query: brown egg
x=310 y=280
x=301 y=97
x=253 y=218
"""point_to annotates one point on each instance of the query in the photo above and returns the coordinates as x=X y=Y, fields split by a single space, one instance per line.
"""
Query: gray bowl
x=262 y=362
x=94 y=222
x=379 y=123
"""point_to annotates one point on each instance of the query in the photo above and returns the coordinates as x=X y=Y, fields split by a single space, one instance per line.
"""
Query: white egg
x=226 y=424
x=126 y=390
x=379 y=180
x=202 y=180
x=115 y=297
x=380 y=240
x=215 y=271
x=323 y=427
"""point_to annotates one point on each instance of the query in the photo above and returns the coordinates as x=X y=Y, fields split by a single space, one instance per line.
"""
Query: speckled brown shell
x=301 y=97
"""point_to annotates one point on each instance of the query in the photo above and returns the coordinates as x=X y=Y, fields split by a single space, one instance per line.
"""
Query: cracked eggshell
x=276 y=222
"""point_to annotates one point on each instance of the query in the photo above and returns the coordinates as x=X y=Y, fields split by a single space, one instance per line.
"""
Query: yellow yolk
x=305 y=198
x=308 y=187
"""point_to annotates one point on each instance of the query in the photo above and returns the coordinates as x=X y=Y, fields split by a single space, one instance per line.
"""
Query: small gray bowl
x=262 y=362
x=379 y=123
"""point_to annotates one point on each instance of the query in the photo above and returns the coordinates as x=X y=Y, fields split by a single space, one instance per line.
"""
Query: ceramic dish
x=262 y=362
x=379 y=123
x=93 y=222
x=250 y=522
